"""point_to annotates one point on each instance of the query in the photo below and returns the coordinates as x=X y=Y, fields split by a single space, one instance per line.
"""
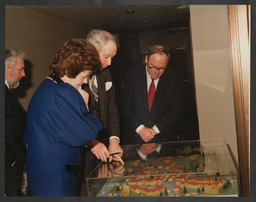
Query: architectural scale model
x=195 y=174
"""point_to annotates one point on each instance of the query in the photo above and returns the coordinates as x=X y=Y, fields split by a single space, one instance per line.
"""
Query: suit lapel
x=102 y=94
x=143 y=85
x=12 y=99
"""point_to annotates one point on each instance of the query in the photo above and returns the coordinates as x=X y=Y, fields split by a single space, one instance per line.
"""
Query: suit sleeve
x=68 y=119
x=129 y=100
x=15 y=120
x=15 y=123
x=113 y=115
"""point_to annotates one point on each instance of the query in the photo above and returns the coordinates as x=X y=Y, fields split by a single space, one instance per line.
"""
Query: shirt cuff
x=139 y=128
x=142 y=155
x=156 y=129
x=115 y=137
x=158 y=148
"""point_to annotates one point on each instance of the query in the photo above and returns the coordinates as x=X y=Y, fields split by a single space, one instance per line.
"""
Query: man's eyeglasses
x=156 y=68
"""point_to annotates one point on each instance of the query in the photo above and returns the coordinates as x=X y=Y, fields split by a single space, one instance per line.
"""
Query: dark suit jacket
x=15 y=124
x=108 y=109
x=166 y=108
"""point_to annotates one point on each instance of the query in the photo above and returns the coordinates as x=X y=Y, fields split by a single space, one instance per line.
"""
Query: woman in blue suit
x=58 y=123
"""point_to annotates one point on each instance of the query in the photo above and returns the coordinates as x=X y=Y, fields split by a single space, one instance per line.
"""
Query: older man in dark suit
x=15 y=123
x=102 y=99
x=102 y=104
x=152 y=100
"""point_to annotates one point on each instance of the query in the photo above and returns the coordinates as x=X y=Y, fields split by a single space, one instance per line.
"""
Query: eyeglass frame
x=156 y=68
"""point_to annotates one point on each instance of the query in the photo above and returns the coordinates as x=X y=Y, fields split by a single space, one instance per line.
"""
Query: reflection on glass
x=191 y=168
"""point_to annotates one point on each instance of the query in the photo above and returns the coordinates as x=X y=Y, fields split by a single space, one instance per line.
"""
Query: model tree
x=185 y=190
x=203 y=189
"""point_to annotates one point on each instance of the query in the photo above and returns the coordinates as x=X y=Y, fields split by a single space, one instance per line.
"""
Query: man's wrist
x=93 y=143
x=143 y=156
x=139 y=128
x=114 y=139
x=156 y=129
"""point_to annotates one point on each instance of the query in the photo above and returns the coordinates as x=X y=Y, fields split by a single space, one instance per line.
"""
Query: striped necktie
x=94 y=88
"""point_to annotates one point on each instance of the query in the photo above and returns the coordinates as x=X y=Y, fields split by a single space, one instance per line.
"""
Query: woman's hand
x=99 y=150
x=104 y=170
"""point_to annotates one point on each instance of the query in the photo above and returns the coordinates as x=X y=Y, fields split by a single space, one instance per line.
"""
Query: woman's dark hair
x=74 y=57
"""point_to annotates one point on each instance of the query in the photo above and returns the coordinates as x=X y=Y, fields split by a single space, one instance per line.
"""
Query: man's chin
x=15 y=85
x=102 y=68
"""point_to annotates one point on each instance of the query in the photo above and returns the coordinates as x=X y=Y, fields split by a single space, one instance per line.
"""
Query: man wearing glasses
x=152 y=100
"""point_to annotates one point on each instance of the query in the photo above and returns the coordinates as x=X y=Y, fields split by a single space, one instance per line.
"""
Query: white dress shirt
x=6 y=83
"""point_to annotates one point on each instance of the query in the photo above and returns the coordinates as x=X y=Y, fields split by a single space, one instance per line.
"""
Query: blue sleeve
x=67 y=117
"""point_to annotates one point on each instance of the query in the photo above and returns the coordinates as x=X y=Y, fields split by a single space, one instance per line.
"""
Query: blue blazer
x=58 y=125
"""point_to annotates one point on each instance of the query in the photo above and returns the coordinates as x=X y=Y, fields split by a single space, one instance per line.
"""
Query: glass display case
x=174 y=169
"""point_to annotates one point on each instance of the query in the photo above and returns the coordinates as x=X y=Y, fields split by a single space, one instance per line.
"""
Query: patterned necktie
x=151 y=94
x=94 y=88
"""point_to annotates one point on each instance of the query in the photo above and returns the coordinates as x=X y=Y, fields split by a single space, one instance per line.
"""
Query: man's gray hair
x=11 y=57
x=99 y=38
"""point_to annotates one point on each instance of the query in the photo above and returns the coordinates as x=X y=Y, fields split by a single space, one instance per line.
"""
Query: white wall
x=39 y=36
x=213 y=76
